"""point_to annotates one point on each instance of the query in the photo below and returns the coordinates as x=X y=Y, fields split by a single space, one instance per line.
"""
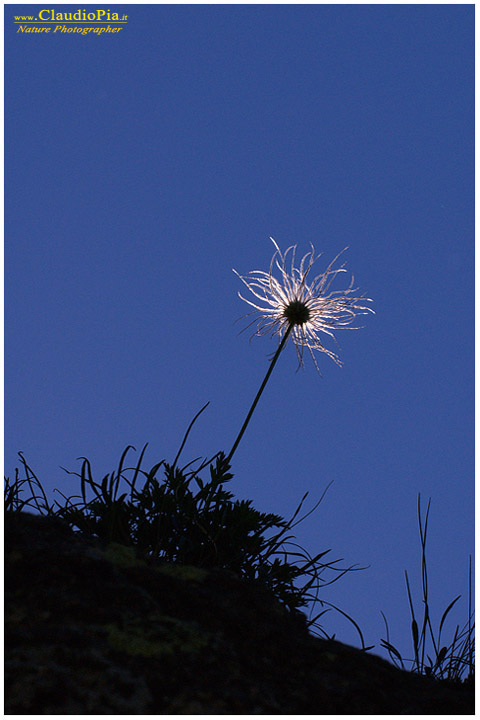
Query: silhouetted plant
x=452 y=661
x=172 y=515
x=13 y=490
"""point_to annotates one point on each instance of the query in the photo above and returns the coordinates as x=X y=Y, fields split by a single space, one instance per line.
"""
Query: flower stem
x=262 y=387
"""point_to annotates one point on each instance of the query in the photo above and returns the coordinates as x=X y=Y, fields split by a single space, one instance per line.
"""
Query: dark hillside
x=96 y=629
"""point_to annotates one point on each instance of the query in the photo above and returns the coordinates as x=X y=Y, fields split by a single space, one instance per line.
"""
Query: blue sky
x=142 y=167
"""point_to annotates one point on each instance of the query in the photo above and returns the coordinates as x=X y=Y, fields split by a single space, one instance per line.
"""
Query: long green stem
x=262 y=387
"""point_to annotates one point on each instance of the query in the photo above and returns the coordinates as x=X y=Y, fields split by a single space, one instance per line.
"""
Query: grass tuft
x=173 y=514
x=453 y=661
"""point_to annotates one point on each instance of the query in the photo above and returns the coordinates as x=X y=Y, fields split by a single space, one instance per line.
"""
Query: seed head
x=309 y=309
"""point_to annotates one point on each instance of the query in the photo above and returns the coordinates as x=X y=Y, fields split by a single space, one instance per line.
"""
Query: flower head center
x=296 y=312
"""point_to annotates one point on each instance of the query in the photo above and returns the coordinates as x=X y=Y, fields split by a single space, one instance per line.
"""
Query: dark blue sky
x=142 y=167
